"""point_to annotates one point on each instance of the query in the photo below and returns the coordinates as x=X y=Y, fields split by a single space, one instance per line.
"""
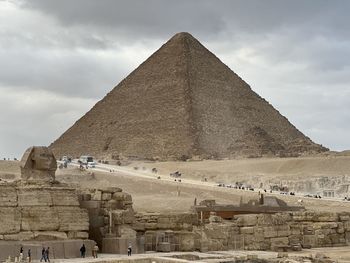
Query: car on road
x=85 y=159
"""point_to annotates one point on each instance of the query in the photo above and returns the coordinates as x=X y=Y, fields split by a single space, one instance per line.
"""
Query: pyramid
x=181 y=103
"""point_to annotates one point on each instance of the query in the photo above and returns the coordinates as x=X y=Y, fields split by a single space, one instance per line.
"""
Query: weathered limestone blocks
x=37 y=207
x=72 y=219
x=37 y=210
x=50 y=235
x=67 y=197
x=110 y=217
x=36 y=235
x=34 y=196
x=123 y=217
x=246 y=220
x=125 y=231
x=77 y=235
x=23 y=236
x=186 y=240
x=8 y=197
x=10 y=218
x=36 y=218
x=315 y=216
x=282 y=231
x=154 y=221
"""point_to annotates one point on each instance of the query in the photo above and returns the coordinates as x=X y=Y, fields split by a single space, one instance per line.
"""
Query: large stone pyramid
x=183 y=102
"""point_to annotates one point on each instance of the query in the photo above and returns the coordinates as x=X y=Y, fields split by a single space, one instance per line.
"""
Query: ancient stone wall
x=160 y=221
x=111 y=217
x=277 y=232
x=166 y=232
x=41 y=212
x=282 y=231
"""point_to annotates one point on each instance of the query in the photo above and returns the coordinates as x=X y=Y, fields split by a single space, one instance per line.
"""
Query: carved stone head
x=38 y=164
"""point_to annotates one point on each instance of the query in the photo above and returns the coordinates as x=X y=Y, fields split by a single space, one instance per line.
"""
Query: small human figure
x=43 y=255
x=82 y=251
x=129 y=249
x=29 y=255
x=94 y=251
x=47 y=253
x=20 y=254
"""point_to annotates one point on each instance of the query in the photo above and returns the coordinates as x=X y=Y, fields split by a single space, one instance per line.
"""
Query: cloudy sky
x=58 y=58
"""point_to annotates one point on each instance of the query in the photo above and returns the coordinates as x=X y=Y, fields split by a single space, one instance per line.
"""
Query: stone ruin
x=38 y=211
x=284 y=231
x=111 y=218
x=265 y=204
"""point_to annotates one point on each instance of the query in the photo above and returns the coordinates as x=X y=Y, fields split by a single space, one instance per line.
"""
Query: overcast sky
x=58 y=58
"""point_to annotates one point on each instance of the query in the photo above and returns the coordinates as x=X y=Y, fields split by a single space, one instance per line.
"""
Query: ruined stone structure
x=183 y=102
x=37 y=210
x=111 y=217
x=166 y=232
x=278 y=232
x=265 y=204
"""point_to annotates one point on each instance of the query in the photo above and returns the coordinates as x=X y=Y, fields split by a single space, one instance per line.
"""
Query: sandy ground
x=9 y=168
x=268 y=168
x=339 y=254
x=166 y=195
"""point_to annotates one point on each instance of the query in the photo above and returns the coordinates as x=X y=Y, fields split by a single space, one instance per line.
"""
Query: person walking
x=43 y=255
x=82 y=251
x=94 y=251
x=20 y=254
x=129 y=249
x=29 y=255
x=47 y=254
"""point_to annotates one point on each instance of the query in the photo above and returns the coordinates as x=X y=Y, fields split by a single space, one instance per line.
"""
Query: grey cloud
x=159 y=17
x=293 y=53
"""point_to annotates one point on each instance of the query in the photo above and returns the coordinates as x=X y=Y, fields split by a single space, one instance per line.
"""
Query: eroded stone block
x=39 y=218
x=10 y=218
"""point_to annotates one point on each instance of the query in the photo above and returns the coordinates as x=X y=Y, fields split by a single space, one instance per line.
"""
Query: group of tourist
x=29 y=253
x=83 y=251
x=45 y=254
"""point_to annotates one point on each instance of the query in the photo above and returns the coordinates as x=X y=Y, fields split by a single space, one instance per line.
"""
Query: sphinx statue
x=38 y=164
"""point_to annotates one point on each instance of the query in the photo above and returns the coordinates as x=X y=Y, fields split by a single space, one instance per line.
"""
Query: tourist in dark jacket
x=82 y=251
x=43 y=255
x=47 y=252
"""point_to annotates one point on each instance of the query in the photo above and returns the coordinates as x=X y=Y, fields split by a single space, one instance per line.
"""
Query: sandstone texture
x=31 y=213
x=110 y=219
x=37 y=207
x=278 y=232
x=183 y=102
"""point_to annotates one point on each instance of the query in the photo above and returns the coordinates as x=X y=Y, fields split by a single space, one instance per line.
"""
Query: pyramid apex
x=182 y=35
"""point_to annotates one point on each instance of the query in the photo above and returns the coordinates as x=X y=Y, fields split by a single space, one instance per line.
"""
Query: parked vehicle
x=85 y=159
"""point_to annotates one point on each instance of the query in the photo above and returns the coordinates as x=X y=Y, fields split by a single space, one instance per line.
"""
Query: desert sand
x=166 y=195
